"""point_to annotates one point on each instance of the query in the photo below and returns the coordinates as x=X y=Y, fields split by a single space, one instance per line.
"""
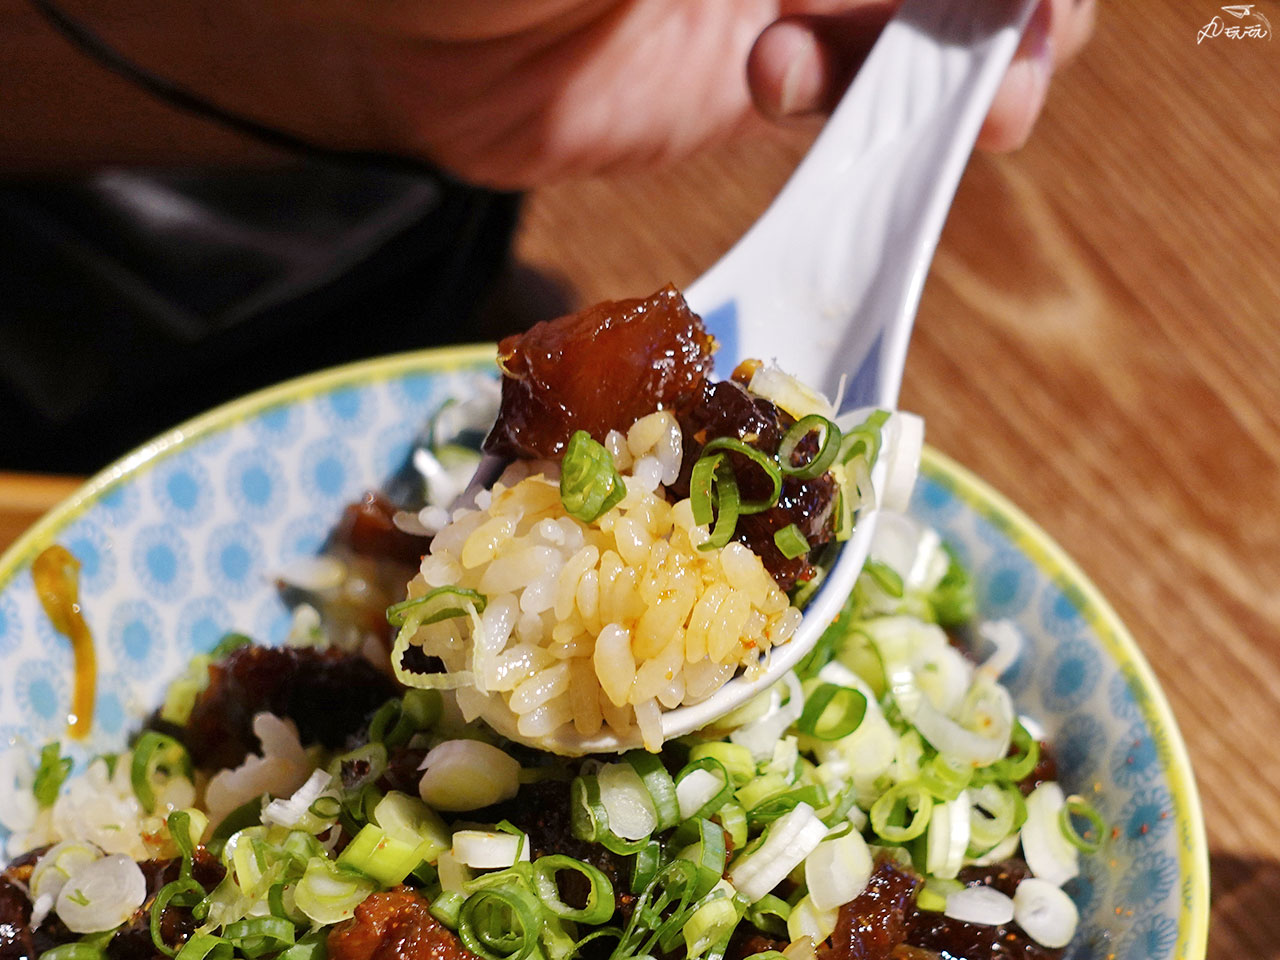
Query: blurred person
x=205 y=196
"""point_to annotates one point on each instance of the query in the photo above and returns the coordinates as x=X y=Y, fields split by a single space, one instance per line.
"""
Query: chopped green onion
x=888 y=812
x=257 y=936
x=933 y=895
x=734 y=820
x=74 y=951
x=490 y=918
x=713 y=797
x=864 y=439
x=1090 y=841
x=714 y=483
x=791 y=542
x=230 y=643
x=832 y=712
x=328 y=894
x=156 y=752
x=953 y=600
x=325 y=808
x=945 y=778
x=50 y=774
x=589 y=821
x=412 y=822
x=183 y=892
x=203 y=946
x=382 y=857
x=827 y=451
x=442 y=603
x=769 y=914
x=600 y=902
x=997 y=811
x=885 y=577
x=1018 y=765
x=735 y=758
x=645 y=865
x=814 y=794
x=589 y=481
x=661 y=788
x=762 y=460
x=446 y=906
x=707 y=853
x=313 y=946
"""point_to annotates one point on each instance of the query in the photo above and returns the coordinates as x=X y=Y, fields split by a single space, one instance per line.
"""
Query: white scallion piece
x=1045 y=912
x=626 y=801
x=489 y=849
x=695 y=790
x=837 y=871
x=287 y=813
x=808 y=920
x=790 y=839
x=1048 y=852
x=101 y=895
x=467 y=775
x=949 y=829
x=454 y=875
x=983 y=905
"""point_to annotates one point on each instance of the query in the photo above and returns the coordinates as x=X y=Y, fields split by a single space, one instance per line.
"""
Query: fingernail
x=801 y=86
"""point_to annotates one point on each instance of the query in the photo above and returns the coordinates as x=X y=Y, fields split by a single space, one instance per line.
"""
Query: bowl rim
x=977 y=495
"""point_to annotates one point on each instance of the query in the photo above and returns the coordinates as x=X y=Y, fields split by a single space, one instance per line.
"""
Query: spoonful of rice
x=663 y=547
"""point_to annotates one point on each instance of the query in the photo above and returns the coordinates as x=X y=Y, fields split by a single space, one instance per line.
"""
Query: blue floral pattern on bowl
x=179 y=540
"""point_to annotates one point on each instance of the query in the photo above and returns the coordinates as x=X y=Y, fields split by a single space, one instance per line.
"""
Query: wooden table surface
x=1099 y=339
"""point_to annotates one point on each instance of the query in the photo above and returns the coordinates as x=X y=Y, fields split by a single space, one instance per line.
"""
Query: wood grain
x=1100 y=339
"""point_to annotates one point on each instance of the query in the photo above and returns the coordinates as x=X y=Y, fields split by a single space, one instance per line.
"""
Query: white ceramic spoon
x=827 y=281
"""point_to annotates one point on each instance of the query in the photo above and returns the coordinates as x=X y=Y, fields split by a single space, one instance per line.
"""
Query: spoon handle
x=827 y=281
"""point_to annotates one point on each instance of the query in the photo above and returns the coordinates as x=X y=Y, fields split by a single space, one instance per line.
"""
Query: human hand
x=513 y=94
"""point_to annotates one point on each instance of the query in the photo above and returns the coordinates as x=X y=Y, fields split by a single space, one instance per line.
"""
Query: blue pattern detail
x=1152 y=937
x=256 y=484
x=414 y=393
x=1149 y=880
x=161 y=561
x=1079 y=741
x=40 y=694
x=348 y=409
x=326 y=470
x=119 y=504
x=1134 y=759
x=233 y=560
x=278 y=426
x=1059 y=615
x=92 y=548
x=1147 y=817
x=1070 y=676
x=1006 y=582
x=10 y=625
x=135 y=633
x=202 y=622
x=182 y=491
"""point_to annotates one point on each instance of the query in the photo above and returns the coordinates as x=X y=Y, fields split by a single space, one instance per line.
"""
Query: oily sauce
x=57 y=579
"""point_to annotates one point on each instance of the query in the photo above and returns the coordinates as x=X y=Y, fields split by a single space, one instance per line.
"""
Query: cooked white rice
x=603 y=624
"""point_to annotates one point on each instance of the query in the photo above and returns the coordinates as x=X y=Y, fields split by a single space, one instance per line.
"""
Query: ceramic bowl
x=178 y=542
